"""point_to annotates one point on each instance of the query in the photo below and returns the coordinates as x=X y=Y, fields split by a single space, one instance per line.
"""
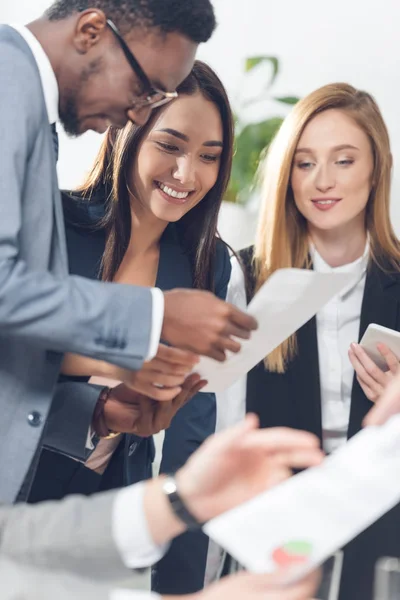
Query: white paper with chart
x=301 y=522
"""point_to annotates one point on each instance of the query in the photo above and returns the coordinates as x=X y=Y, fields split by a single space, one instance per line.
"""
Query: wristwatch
x=178 y=506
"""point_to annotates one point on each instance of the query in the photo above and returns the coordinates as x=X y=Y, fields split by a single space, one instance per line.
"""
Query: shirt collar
x=47 y=75
x=321 y=266
x=358 y=267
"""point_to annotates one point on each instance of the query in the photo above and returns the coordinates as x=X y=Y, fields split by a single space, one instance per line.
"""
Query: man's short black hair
x=193 y=18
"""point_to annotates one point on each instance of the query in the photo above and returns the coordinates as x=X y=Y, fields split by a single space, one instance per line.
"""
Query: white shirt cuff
x=89 y=443
x=157 y=322
x=130 y=530
x=132 y=595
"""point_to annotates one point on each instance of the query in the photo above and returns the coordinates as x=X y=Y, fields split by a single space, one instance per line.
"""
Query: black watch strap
x=177 y=504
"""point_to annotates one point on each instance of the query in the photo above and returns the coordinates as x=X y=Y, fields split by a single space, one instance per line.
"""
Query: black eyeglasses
x=154 y=97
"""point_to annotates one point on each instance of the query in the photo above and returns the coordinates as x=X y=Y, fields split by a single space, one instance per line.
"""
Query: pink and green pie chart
x=292 y=553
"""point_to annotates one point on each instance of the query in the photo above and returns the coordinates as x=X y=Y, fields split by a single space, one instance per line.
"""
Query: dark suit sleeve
x=191 y=426
x=196 y=420
x=182 y=569
x=70 y=418
x=60 y=468
x=222 y=270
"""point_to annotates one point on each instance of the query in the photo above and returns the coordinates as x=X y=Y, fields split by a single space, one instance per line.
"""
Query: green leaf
x=249 y=144
x=287 y=99
x=252 y=139
x=253 y=61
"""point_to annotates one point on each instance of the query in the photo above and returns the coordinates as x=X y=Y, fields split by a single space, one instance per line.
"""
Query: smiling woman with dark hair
x=147 y=215
x=162 y=156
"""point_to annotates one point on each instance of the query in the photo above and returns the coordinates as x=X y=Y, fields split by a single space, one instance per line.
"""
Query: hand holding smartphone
x=377 y=334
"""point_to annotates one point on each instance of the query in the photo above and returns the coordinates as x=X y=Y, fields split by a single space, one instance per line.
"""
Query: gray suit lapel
x=59 y=250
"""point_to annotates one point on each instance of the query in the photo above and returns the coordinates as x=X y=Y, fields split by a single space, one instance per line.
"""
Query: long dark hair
x=197 y=229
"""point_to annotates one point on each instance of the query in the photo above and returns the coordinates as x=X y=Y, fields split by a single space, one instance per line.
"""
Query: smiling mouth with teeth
x=323 y=202
x=172 y=193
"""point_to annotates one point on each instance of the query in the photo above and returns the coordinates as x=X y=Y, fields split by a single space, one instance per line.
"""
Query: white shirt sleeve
x=89 y=439
x=133 y=595
x=236 y=293
x=157 y=322
x=130 y=530
x=231 y=408
x=231 y=403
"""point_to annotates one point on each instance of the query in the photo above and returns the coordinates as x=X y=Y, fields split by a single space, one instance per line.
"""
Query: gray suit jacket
x=43 y=311
x=59 y=550
x=74 y=534
x=18 y=582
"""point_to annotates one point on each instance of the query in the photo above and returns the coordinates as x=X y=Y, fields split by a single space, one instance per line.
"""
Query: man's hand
x=388 y=404
x=241 y=462
x=162 y=377
x=127 y=411
x=250 y=586
x=199 y=321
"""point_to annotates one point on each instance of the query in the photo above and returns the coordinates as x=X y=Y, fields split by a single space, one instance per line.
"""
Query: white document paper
x=287 y=300
x=301 y=522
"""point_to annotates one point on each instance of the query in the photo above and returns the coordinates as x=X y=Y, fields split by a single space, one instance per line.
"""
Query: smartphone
x=377 y=334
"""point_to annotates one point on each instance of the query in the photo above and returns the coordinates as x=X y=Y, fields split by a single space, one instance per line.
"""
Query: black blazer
x=293 y=399
x=182 y=569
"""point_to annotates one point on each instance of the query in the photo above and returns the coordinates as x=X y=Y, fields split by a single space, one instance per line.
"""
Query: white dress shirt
x=338 y=325
x=51 y=96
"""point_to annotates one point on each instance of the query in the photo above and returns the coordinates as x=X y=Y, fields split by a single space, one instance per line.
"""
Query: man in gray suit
x=98 y=538
x=91 y=64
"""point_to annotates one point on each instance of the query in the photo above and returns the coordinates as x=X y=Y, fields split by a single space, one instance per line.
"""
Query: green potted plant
x=251 y=139
x=238 y=217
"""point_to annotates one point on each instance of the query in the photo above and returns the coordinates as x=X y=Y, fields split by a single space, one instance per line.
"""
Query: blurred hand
x=371 y=378
x=233 y=466
x=251 y=586
x=127 y=411
x=387 y=406
x=199 y=321
x=162 y=377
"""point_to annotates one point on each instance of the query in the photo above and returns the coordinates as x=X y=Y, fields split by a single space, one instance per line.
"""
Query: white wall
x=317 y=42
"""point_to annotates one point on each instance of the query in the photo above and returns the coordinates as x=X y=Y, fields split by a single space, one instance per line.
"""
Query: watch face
x=170 y=486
